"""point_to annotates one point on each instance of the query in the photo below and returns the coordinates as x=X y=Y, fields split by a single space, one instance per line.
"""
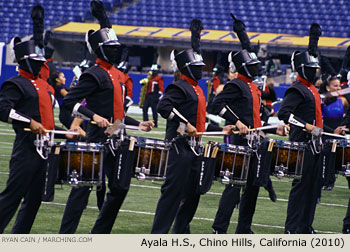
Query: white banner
x=176 y=243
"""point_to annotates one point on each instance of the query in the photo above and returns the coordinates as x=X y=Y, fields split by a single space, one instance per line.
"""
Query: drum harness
x=44 y=142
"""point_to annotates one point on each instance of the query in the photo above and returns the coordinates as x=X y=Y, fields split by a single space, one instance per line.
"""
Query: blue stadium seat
x=287 y=16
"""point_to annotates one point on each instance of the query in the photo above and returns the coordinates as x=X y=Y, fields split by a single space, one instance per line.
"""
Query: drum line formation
x=247 y=162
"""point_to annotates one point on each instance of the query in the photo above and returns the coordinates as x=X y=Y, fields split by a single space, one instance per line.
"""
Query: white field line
x=273 y=180
x=219 y=194
x=195 y=218
x=7 y=134
x=262 y=198
x=6 y=143
x=7 y=130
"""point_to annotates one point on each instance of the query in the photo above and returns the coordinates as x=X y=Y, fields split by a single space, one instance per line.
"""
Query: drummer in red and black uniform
x=239 y=103
x=26 y=103
x=183 y=103
x=154 y=92
x=103 y=88
x=301 y=107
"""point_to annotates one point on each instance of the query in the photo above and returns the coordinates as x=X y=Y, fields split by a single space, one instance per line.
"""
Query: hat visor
x=112 y=42
x=198 y=63
x=253 y=62
x=313 y=65
x=37 y=57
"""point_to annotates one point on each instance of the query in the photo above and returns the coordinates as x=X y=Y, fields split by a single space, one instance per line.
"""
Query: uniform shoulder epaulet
x=16 y=80
x=298 y=87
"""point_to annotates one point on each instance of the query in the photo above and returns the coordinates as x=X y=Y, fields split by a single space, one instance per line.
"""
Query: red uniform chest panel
x=118 y=94
x=45 y=102
x=317 y=98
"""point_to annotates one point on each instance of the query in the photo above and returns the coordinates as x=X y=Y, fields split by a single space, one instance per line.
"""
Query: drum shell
x=151 y=157
x=288 y=157
x=341 y=151
x=234 y=159
x=86 y=159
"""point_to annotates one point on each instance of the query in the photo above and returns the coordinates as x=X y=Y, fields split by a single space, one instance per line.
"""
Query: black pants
x=248 y=203
x=231 y=195
x=303 y=195
x=151 y=100
x=179 y=196
x=228 y=202
x=75 y=206
x=25 y=181
x=78 y=200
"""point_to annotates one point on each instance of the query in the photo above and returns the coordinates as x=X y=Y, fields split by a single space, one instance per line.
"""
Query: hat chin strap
x=303 y=72
x=246 y=70
x=29 y=66
x=190 y=72
x=104 y=55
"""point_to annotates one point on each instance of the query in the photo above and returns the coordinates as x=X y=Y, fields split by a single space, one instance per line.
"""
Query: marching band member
x=183 y=103
x=239 y=103
x=25 y=101
x=301 y=107
x=154 y=92
x=102 y=87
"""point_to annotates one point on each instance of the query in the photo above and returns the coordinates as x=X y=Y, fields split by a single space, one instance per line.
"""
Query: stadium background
x=280 y=27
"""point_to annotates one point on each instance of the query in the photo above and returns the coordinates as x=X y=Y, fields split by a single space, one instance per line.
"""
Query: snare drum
x=232 y=163
x=151 y=158
x=287 y=158
x=342 y=160
x=80 y=163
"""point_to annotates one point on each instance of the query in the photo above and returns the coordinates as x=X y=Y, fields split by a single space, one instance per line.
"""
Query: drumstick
x=220 y=133
x=130 y=127
x=272 y=126
x=212 y=133
x=329 y=134
x=57 y=131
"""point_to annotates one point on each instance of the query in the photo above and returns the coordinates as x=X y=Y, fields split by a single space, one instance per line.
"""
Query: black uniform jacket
x=96 y=87
x=300 y=102
x=235 y=103
x=19 y=94
x=180 y=104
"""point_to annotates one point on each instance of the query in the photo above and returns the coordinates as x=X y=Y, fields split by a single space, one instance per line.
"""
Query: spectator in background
x=59 y=85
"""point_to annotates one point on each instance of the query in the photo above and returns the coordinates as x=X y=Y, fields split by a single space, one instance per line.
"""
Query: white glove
x=316 y=131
